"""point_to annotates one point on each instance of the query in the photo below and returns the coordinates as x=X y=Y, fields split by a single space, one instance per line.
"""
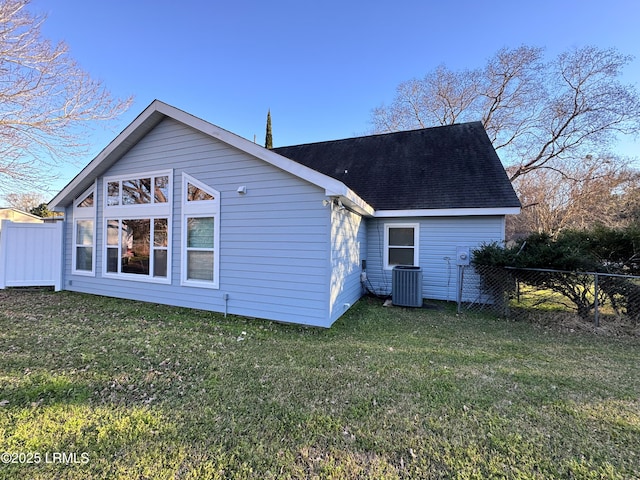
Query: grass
x=132 y=390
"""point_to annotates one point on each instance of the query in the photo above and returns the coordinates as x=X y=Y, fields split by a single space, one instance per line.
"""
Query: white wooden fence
x=30 y=254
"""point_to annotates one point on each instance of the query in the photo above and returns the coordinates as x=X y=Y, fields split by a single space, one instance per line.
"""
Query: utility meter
x=463 y=256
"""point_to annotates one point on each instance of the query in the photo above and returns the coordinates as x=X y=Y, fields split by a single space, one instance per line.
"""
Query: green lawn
x=94 y=387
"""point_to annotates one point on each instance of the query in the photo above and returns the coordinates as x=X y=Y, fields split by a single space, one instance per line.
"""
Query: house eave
x=352 y=201
x=158 y=111
x=448 y=212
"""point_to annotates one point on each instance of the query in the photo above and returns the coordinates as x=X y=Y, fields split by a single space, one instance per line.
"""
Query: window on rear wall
x=137 y=216
x=137 y=247
x=401 y=242
x=84 y=233
x=200 y=233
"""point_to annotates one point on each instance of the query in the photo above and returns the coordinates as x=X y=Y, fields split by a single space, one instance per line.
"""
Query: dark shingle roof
x=445 y=167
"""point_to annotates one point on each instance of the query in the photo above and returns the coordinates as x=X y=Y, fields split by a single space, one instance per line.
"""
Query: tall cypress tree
x=268 y=141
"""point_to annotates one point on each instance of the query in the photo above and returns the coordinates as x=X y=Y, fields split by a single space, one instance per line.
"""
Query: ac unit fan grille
x=406 y=286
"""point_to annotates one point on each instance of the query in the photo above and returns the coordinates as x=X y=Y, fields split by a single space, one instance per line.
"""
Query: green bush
x=601 y=249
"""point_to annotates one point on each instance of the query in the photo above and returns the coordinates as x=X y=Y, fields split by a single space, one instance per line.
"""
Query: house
x=15 y=215
x=176 y=210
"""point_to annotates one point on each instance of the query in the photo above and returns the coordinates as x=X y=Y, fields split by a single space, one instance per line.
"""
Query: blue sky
x=321 y=67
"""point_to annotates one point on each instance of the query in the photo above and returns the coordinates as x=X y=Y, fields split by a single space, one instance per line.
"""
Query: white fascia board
x=351 y=200
x=448 y=212
x=332 y=187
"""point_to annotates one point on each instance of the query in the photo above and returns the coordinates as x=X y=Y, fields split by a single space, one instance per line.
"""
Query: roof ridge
x=383 y=134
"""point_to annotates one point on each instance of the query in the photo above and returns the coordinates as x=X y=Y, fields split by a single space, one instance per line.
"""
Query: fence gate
x=30 y=254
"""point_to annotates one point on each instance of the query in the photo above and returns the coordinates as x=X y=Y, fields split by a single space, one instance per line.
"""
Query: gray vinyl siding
x=274 y=240
x=439 y=237
x=348 y=248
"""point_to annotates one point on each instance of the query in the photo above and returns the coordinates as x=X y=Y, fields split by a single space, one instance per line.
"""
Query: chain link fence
x=516 y=293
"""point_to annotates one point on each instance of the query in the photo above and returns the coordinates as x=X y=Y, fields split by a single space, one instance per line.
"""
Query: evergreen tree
x=41 y=210
x=268 y=141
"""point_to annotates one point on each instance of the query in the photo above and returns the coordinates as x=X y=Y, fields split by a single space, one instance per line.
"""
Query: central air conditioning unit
x=406 y=286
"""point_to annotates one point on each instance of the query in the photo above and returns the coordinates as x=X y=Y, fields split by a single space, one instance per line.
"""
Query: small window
x=160 y=246
x=401 y=245
x=161 y=189
x=87 y=202
x=113 y=193
x=135 y=192
x=200 y=248
x=196 y=194
x=84 y=245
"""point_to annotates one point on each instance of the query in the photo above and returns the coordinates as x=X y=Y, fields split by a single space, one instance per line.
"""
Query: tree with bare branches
x=46 y=100
x=23 y=201
x=594 y=191
x=538 y=113
x=553 y=122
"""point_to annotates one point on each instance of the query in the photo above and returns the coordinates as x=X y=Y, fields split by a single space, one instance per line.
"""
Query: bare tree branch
x=47 y=102
x=552 y=122
x=534 y=112
x=583 y=193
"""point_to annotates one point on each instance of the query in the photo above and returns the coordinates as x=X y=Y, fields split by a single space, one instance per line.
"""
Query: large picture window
x=401 y=243
x=137 y=225
x=137 y=246
x=200 y=237
x=84 y=222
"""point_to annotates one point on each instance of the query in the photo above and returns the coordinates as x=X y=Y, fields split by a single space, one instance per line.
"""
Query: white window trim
x=200 y=209
x=416 y=243
x=84 y=213
x=122 y=211
x=134 y=276
x=151 y=211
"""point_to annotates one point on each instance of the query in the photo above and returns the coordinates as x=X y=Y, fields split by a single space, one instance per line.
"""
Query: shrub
x=600 y=249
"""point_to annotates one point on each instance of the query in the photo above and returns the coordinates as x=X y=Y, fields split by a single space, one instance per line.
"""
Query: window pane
x=136 y=191
x=112 y=232
x=200 y=266
x=200 y=232
x=113 y=192
x=195 y=194
x=160 y=263
x=84 y=258
x=401 y=236
x=112 y=260
x=87 y=202
x=160 y=232
x=84 y=232
x=161 y=190
x=135 y=246
x=401 y=256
